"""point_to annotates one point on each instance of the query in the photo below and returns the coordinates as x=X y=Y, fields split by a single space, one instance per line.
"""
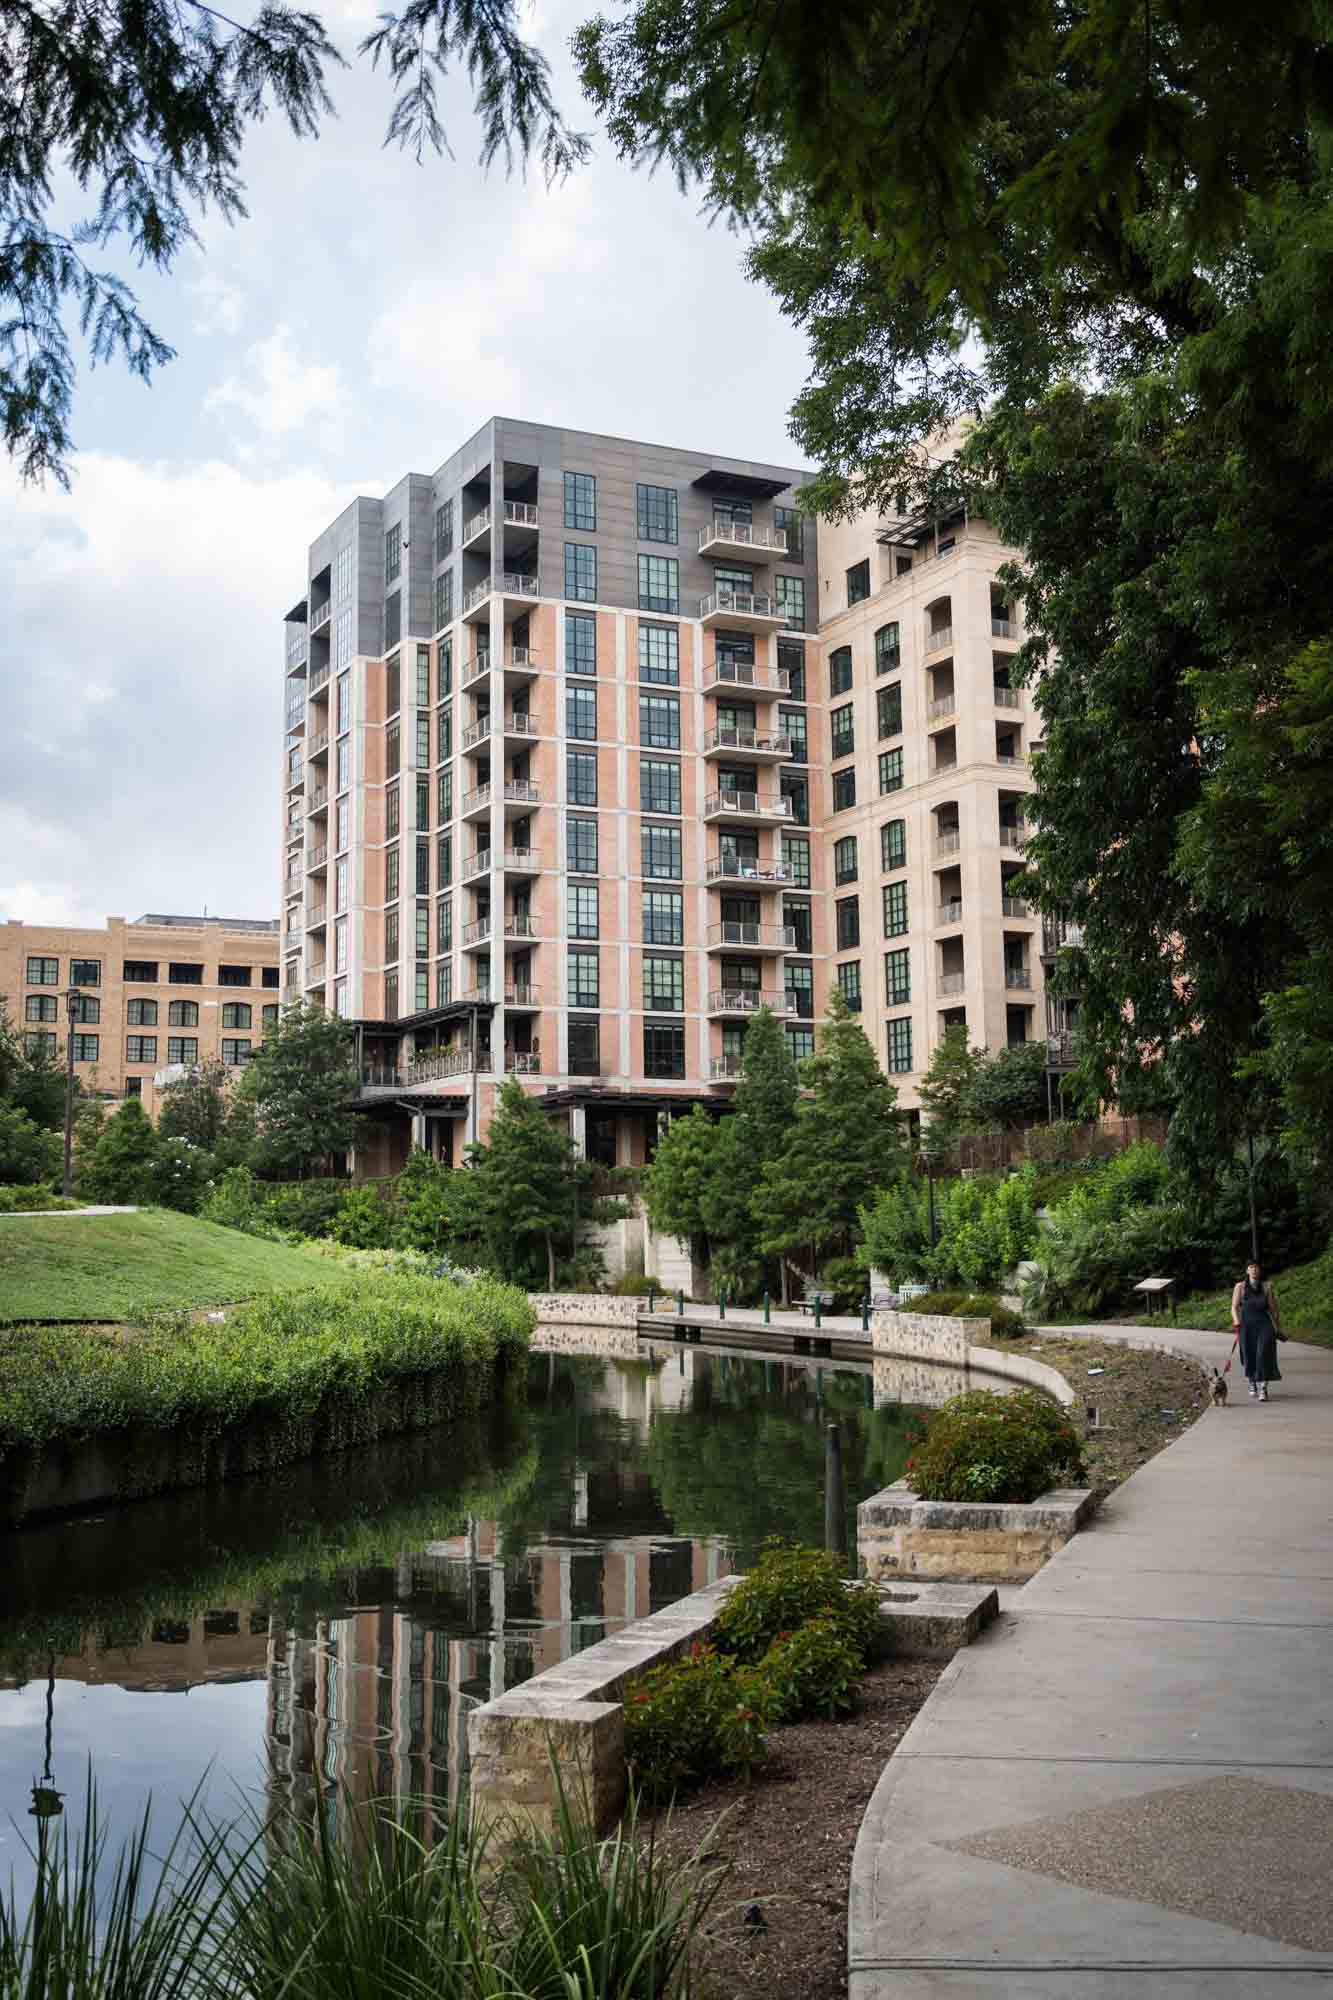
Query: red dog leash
x=1231 y=1357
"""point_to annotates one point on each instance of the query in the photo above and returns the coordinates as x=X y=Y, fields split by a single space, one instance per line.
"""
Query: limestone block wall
x=583 y=1309
x=926 y=1336
x=898 y=1535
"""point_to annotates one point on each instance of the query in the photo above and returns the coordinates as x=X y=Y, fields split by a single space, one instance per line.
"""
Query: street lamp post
x=71 y=1014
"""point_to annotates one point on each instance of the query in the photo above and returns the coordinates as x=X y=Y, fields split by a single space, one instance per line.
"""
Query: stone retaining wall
x=611 y=1343
x=898 y=1535
x=926 y=1336
x=584 y=1309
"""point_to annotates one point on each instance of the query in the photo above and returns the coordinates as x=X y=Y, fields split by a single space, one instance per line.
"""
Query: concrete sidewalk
x=1126 y=1787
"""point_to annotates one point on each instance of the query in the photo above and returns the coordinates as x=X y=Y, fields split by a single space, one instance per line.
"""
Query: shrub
x=696 y=1718
x=420 y=1218
x=985 y=1229
x=845 y=1277
x=787 y=1588
x=19 y=1200
x=233 y=1201
x=814 y=1670
x=362 y=1219
x=1005 y=1323
x=983 y=1446
x=27 y=1152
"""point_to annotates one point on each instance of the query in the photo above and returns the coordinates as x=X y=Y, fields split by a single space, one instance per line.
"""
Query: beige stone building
x=153 y=996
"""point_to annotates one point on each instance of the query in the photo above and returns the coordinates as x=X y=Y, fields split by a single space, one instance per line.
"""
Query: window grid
x=581 y=502
x=842 y=731
x=581 y=571
x=796 y=857
x=897 y=978
x=141 y=1048
x=581 y=713
x=661 y=851
x=581 y=846
x=844 y=789
x=659 y=653
x=659 y=785
x=663 y=917
x=659 y=583
x=657 y=513
x=900 y=1044
x=890 y=771
x=663 y=984
x=893 y=844
x=840 y=670
x=580 y=642
x=659 y=721
x=895 y=909
x=849 y=983
x=888 y=649
x=889 y=709
x=581 y=775
x=583 y=910
x=845 y=860
x=847 y=913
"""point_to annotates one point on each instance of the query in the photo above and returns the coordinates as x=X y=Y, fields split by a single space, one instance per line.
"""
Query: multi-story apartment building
x=152 y=995
x=593 y=747
x=929 y=740
x=550 y=804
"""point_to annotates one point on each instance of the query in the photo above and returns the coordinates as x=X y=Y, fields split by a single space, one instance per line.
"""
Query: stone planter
x=898 y=1535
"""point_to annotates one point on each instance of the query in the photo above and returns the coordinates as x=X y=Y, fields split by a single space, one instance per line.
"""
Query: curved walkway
x=1126 y=1786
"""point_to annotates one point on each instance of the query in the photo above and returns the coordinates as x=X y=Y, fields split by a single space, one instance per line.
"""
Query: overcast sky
x=367 y=318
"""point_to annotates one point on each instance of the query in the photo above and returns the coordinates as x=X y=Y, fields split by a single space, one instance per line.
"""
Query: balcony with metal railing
x=1057 y=935
x=939 y=638
x=1007 y=697
x=523 y=999
x=1014 y=906
x=729 y=870
x=951 y=982
x=739 y=538
x=744 y=1000
x=724 y=677
x=948 y=840
x=728 y=740
x=522 y=1062
x=745 y=808
x=317 y=857
x=1017 y=978
x=298 y=649
x=750 y=937
x=317 y=802
x=509 y=583
x=320 y=614
x=1012 y=834
x=742 y=610
x=1003 y=628
x=950 y=912
x=317 y=916
x=478 y=932
x=936 y=711
x=725 y=1069
x=1012 y=760
x=316 y=746
x=478 y=864
x=319 y=677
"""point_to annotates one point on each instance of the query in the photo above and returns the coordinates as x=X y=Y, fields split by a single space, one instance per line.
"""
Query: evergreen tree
x=1008 y=1088
x=845 y=1143
x=526 y=1180
x=301 y=1083
x=124 y=1163
x=194 y=1106
x=946 y=1088
x=678 y=1183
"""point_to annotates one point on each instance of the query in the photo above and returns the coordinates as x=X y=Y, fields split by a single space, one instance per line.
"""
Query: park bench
x=811 y=1296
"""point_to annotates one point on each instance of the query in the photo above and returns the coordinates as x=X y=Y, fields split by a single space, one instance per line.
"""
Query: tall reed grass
x=356 y=1905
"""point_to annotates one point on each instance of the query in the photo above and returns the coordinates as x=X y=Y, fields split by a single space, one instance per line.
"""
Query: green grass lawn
x=99 y=1266
x=1304 y=1297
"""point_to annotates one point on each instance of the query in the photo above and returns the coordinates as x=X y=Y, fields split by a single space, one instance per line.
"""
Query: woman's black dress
x=1258 y=1336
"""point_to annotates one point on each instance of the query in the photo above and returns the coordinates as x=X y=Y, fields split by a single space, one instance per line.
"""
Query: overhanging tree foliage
x=1105 y=233
x=143 y=107
x=521 y=1191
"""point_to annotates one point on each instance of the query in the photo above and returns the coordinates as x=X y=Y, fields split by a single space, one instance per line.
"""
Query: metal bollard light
x=680 y=1305
x=818 y=1316
x=835 y=1498
x=766 y=1313
x=721 y=1305
x=865 y=1315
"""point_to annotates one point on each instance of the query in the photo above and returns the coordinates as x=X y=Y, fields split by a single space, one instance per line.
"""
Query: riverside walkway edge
x=1125 y=1787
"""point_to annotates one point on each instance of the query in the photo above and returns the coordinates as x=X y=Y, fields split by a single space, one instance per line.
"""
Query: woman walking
x=1255 y=1317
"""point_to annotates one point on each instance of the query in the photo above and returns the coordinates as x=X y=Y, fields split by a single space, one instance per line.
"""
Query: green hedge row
x=179 y=1401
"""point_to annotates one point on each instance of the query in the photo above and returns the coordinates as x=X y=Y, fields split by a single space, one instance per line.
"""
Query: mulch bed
x=787 y=1838
x=1143 y=1400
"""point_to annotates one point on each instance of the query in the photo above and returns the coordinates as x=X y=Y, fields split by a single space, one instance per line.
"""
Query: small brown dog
x=1219 y=1391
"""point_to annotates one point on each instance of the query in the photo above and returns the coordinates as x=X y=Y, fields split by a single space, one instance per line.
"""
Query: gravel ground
x=1142 y=1400
x=787 y=1839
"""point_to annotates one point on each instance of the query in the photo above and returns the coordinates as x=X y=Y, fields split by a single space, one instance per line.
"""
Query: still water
x=333 y=1626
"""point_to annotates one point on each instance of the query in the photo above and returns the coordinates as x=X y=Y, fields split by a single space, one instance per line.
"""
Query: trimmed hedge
x=180 y=1402
x=988 y=1447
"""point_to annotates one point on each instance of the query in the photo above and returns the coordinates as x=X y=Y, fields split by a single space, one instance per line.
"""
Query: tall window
x=236 y=1014
x=444 y=792
x=659 y=583
x=393 y=552
x=393 y=753
x=889 y=709
x=895 y=909
x=235 y=1050
x=658 y=517
x=844 y=789
x=182 y=1048
x=581 y=502
x=444 y=923
x=342 y=573
x=581 y=772
x=393 y=620
x=391 y=943
x=799 y=981
x=444 y=530
x=659 y=653
x=848 y=914
x=789 y=594
x=888 y=649
x=583 y=912
x=344 y=763
x=659 y=721
x=661 y=851
x=893 y=844
x=659 y=785
x=796 y=858
x=796 y=918
x=445 y=655
x=858 y=582
x=444 y=982
x=791 y=724
x=444 y=860
x=581 y=571
x=43 y=972
x=423 y=868
x=138 y=1014
x=844 y=859
x=890 y=771
x=897 y=978
x=580 y=642
x=423 y=676
x=581 y=846
x=141 y=1048
x=791 y=523
x=585 y=1055
x=849 y=983
x=663 y=1049
x=391 y=813
x=182 y=1013
x=342 y=639
x=581 y=713
x=584 y=981
x=842 y=730
x=391 y=880
x=444 y=599
x=421 y=939
x=423 y=742
x=900 y=1044
x=270 y=1015
x=791 y=662
x=344 y=700
x=663 y=917
x=444 y=733
x=663 y=984
x=840 y=670
x=800 y=1043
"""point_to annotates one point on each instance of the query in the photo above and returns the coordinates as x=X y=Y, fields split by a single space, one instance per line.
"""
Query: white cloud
x=276 y=390
x=219 y=306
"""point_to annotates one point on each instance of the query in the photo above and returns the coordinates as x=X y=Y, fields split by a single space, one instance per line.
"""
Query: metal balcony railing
x=521 y=1062
x=937 y=637
x=320 y=615
x=748 y=804
x=947 y=704
x=522 y=996
x=774 y=539
x=1007 y=697
x=1013 y=836
x=1013 y=906
x=1012 y=759
x=744 y=673
x=1017 y=976
x=947 y=841
x=736 y=870
x=518 y=792
x=521 y=860
x=740 y=603
x=1057 y=935
x=319 y=677
x=317 y=800
x=317 y=857
x=1002 y=628
x=726 y=737
x=519 y=925
x=761 y=937
x=477 y=864
x=744 y=1000
x=950 y=912
x=952 y=982
x=316 y=745
x=477 y=932
x=725 y=1069
x=477 y=732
